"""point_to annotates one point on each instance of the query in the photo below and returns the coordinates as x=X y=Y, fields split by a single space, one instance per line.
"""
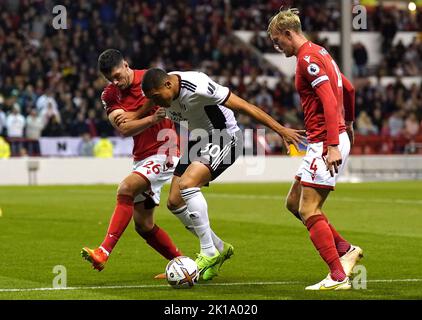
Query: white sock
x=218 y=243
x=183 y=215
x=198 y=212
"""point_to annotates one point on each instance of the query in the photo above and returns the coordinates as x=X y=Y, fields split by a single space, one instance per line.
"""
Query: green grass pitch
x=42 y=227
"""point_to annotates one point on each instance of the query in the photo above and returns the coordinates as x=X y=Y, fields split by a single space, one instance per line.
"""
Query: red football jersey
x=323 y=122
x=146 y=143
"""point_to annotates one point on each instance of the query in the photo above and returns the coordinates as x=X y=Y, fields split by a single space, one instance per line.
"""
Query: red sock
x=342 y=245
x=323 y=241
x=121 y=217
x=159 y=240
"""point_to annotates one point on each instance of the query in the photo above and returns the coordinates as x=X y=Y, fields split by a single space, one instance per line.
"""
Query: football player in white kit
x=215 y=143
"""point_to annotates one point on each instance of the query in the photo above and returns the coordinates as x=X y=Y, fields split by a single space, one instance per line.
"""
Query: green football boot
x=227 y=252
x=208 y=266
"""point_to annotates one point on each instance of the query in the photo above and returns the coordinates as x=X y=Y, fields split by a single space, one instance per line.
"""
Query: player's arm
x=134 y=127
x=217 y=94
x=313 y=70
x=349 y=107
x=132 y=115
x=290 y=136
x=329 y=103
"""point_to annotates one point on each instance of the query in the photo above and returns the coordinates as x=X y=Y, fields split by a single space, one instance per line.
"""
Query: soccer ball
x=182 y=272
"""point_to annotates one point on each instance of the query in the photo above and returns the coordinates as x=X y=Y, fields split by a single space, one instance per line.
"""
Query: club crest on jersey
x=313 y=69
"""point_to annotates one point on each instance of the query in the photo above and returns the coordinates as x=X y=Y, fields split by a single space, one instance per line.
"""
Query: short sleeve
x=212 y=92
x=313 y=70
x=109 y=99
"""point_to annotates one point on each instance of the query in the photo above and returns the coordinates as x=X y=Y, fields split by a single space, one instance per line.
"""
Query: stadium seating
x=54 y=71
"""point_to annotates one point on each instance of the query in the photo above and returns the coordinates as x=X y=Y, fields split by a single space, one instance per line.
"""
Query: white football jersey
x=200 y=104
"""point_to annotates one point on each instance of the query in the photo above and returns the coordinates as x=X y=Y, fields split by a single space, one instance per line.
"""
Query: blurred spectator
x=4 y=149
x=274 y=143
x=92 y=122
x=104 y=127
x=412 y=58
x=103 y=148
x=262 y=42
x=388 y=31
x=86 y=147
x=385 y=128
x=411 y=148
x=2 y=121
x=79 y=125
x=402 y=60
x=378 y=117
x=48 y=112
x=53 y=127
x=264 y=98
x=15 y=124
x=364 y=124
x=360 y=55
x=396 y=123
x=411 y=126
x=47 y=101
x=34 y=127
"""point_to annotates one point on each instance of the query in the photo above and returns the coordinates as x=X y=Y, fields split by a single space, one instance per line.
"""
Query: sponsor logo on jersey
x=176 y=116
x=307 y=59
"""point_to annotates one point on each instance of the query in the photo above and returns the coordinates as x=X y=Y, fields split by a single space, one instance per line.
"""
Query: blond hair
x=285 y=20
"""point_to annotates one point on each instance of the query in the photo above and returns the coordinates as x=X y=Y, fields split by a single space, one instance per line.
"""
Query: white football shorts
x=313 y=170
x=156 y=170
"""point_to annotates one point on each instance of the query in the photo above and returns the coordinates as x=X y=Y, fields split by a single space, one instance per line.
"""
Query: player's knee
x=186 y=183
x=144 y=226
x=305 y=214
x=173 y=204
x=126 y=188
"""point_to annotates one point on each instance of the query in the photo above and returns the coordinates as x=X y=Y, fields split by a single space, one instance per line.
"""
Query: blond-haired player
x=327 y=98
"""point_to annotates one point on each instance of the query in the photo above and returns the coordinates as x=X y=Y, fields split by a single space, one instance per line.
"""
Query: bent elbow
x=125 y=132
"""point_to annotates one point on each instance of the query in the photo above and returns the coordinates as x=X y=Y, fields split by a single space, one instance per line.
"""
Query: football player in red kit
x=154 y=160
x=327 y=98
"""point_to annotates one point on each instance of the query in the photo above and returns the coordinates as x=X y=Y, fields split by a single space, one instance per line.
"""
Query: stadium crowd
x=323 y=15
x=49 y=85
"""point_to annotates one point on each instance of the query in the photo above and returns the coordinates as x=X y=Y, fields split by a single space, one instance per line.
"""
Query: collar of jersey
x=302 y=47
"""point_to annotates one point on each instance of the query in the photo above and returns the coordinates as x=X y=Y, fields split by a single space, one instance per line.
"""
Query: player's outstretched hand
x=293 y=136
x=333 y=159
x=159 y=115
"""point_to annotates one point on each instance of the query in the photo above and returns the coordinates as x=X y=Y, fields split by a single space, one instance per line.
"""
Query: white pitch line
x=269 y=283
x=280 y=198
